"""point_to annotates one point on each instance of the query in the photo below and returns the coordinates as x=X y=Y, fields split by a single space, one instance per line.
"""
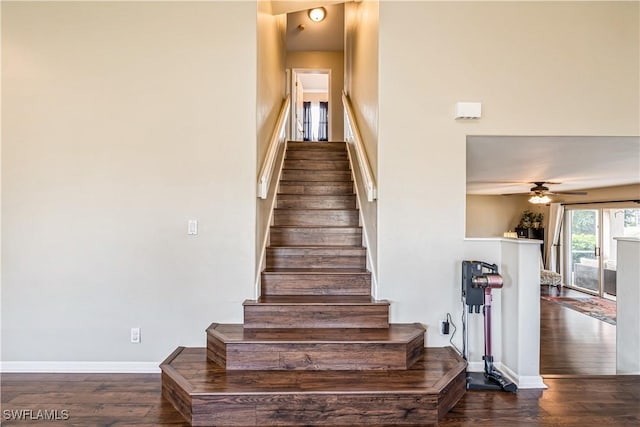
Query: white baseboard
x=80 y=367
x=522 y=381
x=475 y=366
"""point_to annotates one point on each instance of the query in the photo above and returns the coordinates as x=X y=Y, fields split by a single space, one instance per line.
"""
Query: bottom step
x=205 y=394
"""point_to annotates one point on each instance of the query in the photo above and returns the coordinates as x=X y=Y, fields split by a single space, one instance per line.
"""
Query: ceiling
x=327 y=35
x=494 y=163
x=314 y=82
x=285 y=6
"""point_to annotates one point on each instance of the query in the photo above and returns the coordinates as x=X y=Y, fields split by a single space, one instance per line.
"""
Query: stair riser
x=330 y=218
x=316 y=316
x=316 y=284
x=322 y=189
x=318 y=261
x=305 y=175
x=316 y=202
x=303 y=356
x=364 y=409
x=316 y=236
x=310 y=146
x=320 y=165
x=316 y=155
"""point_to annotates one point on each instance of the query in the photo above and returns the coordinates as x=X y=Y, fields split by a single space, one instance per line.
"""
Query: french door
x=583 y=261
x=591 y=249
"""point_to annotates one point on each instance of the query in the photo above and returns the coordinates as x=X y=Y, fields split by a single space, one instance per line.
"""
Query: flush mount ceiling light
x=317 y=14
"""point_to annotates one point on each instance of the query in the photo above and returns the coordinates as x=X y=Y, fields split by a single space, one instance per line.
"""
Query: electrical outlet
x=444 y=327
x=135 y=335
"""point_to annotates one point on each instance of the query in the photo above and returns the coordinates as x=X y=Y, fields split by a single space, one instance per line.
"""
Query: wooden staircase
x=315 y=348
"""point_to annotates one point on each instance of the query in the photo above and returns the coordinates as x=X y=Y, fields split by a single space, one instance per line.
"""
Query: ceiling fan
x=540 y=192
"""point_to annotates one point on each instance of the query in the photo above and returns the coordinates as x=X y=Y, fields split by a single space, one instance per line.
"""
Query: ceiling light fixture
x=317 y=14
x=538 y=199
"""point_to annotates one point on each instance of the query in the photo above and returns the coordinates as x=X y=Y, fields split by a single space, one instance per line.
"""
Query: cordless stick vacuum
x=478 y=279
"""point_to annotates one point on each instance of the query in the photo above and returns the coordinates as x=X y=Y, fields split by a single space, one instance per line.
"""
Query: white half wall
x=628 y=301
x=515 y=310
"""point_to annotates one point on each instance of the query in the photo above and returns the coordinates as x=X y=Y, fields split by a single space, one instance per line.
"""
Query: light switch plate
x=192 y=227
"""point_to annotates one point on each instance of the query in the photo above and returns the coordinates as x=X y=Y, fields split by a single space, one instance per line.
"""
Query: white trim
x=522 y=381
x=627 y=239
x=355 y=138
x=365 y=234
x=265 y=240
x=475 y=366
x=503 y=239
x=294 y=118
x=80 y=367
x=278 y=135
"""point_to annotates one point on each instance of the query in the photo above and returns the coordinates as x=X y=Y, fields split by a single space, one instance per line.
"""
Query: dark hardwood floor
x=135 y=400
x=572 y=343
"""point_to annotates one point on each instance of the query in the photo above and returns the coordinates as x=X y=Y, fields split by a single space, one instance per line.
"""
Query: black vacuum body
x=478 y=280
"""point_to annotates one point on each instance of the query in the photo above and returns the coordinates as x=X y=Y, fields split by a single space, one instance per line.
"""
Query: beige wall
x=491 y=216
x=333 y=61
x=361 y=71
x=539 y=68
x=315 y=97
x=120 y=122
x=361 y=84
x=270 y=95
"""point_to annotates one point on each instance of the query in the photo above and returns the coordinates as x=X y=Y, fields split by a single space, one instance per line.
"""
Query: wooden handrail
x=278 y=135
x=356 y=139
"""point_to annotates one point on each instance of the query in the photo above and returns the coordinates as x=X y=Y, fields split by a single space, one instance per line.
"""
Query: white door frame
x=294 y=93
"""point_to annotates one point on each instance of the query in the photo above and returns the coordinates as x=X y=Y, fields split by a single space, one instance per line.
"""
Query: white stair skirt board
x=80 y=367
x=523 y=382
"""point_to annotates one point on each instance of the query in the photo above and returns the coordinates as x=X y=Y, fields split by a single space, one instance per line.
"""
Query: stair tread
x=318 y=210
x=316 y=196
x=316 y=300
x=432 y=372
x=346 y=227
x=318 y=183
x=315 y=171
x=296 y=271
x=318 y=247
x=333 y=247
x=395 y=333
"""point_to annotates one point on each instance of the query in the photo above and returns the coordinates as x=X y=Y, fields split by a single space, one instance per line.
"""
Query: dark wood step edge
x=211 y=330
x=167 y=369
x=251 y=302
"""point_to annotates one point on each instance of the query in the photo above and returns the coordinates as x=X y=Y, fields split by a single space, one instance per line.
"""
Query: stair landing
x=207 y=394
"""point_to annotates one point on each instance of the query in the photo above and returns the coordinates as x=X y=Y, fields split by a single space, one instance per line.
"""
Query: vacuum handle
x=492 y=267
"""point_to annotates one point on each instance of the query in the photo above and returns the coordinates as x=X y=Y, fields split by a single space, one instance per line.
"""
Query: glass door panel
x=619 y=222
x=584 y=249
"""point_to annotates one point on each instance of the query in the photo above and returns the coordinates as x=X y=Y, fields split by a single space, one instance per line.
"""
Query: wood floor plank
x=617 y=402
x=572 y=343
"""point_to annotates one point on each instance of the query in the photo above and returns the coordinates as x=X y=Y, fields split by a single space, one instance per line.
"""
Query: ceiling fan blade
x=569 y=193
x=498 y=182
x=514 y=182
